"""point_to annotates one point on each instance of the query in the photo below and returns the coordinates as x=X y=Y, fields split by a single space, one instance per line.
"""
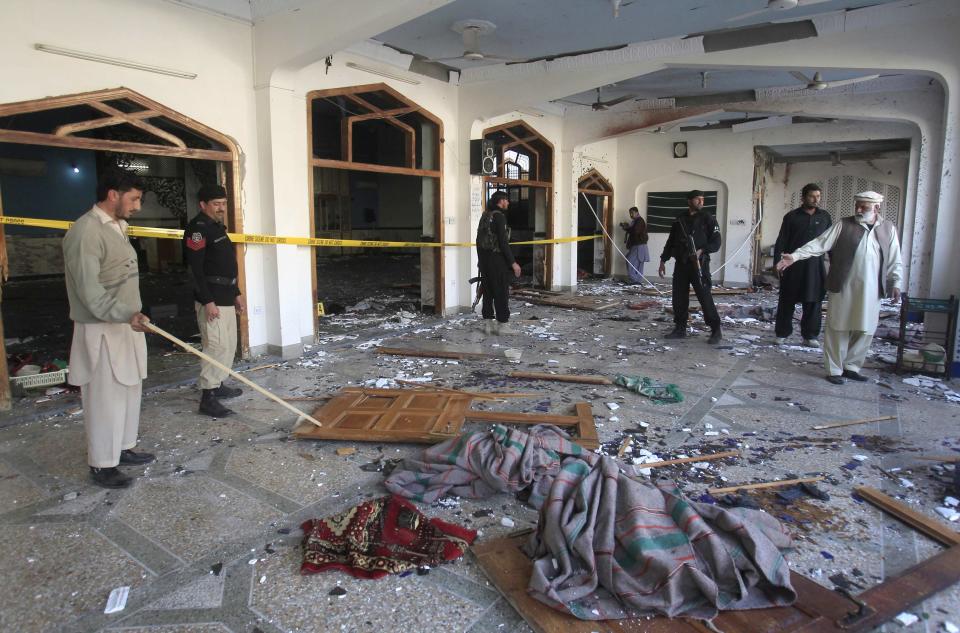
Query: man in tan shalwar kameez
x=865 y=266
x=108 y=356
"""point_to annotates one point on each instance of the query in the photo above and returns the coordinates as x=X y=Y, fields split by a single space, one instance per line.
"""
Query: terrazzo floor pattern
x=208 y=537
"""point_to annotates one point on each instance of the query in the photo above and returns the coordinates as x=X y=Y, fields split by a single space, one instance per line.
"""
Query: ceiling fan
x=471 y=30
x=598 y=105
x=776 y=5
x=817 y=83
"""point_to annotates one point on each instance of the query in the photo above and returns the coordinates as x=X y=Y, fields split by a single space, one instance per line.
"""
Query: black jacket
x=212 y=259
x=805 y=280
x=499 y=228
x=702 y=228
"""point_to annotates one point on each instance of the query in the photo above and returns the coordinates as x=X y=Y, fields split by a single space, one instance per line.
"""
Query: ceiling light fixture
x=383 y=73
x=114 y=61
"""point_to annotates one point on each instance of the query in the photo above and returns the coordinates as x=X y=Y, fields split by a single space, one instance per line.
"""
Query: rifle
x=692 y=252
x=479 y=281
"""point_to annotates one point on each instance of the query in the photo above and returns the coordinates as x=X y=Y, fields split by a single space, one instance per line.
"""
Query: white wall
x=788 y=179
x=217 y=49
x=722 y=160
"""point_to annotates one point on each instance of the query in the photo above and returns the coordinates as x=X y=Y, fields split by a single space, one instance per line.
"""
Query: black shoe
x=129 y=457
x=209 y=405
x=715 y=336
x=837 y=380
x=852 y=375
x=109 y=477
x=224 y=391
x=677 y=332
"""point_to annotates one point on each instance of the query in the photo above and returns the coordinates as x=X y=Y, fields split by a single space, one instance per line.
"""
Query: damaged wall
x=725 y=159
x=783 y=189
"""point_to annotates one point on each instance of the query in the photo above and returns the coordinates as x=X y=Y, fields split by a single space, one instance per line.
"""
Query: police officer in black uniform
x=212 y=259
x=693 y=236
x=806 y=281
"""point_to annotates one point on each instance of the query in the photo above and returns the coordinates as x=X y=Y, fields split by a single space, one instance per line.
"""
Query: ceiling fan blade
x=800 y=76
x=744 y=16
x=585 y=105
x=853 y=80
x=807 y=3
x=495 y=58
x=613 y=102
x=445 y=59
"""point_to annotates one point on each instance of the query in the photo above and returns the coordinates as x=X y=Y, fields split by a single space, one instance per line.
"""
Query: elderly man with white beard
x=865 y=266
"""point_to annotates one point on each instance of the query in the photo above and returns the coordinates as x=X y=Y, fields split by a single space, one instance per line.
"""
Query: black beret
x=211 y=192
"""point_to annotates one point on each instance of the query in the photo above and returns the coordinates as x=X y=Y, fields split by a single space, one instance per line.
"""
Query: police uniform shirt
x=212 y=259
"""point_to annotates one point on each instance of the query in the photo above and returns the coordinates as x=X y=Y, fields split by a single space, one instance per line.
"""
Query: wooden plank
x=571 y=302
x=36 y=138
x=473 y=394
x=426 y=353
x=377 y=169
x=143 y=125
x=837 y=425
x=585 y=379
x=586 y=429
x=947 y=459
x=690 y=460
x=71 y=128
x=928 y=526
x=516 y=182
x=896 y=595
x=766 y=484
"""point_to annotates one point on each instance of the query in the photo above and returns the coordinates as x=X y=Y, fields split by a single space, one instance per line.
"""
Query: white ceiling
x=528 y=29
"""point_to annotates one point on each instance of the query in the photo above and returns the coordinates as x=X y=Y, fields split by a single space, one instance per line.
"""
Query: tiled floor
x=208 y=536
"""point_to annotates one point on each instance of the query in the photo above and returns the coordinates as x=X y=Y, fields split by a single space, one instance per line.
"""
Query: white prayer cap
x=869 y=196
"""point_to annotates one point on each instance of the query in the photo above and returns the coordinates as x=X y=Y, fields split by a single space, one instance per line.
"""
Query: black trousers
x=809 y=323
x=685 y=274
x=496 y=286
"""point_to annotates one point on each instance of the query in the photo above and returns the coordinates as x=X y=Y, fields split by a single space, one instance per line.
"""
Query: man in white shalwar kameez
x=865 y=266
x=108 y=356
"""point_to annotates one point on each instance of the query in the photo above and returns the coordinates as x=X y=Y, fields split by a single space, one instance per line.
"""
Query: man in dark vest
x=804 y=283
x=495 y=261
x=693 y=236
x=865 y=266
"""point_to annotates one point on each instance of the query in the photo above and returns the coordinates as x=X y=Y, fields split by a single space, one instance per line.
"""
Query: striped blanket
x=608 y=546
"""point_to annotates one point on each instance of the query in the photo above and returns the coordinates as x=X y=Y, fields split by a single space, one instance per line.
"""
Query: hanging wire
x=614 y=244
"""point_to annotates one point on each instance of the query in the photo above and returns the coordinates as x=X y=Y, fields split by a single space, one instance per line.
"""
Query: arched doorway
x=525 y=173
x=376 y=173
x=52 y=150
x=594 y=196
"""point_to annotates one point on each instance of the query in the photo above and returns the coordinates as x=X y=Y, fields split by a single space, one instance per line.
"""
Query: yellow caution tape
x=253 y=238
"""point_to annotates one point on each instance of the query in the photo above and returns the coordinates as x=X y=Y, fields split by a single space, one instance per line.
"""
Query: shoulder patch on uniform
x=196 y=241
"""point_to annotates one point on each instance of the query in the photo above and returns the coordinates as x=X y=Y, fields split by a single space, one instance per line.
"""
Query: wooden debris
x=346 y=450
x=421 y=415
x=835 y=425
x=477 y=395
x=947 y=459
x=690 y=460
x=815 y=611
x=426 y=353
x=766 y=484
x=586 y=379
x=559 y=300
x=259 y=367
x=923 y=524
x=624 y=445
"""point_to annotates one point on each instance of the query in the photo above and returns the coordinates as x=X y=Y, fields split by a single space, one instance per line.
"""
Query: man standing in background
x=636 y=243
x=212 y=259
x=495 y=261
x=865 y=266
x=693 y=236
x=804 y=283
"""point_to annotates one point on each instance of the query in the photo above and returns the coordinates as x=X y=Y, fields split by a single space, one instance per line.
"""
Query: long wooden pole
x=836 y=425
x=170 y=337
x=690 y=460
x=766 y=484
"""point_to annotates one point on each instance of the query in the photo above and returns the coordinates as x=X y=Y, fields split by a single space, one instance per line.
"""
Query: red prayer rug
x=379 y=537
